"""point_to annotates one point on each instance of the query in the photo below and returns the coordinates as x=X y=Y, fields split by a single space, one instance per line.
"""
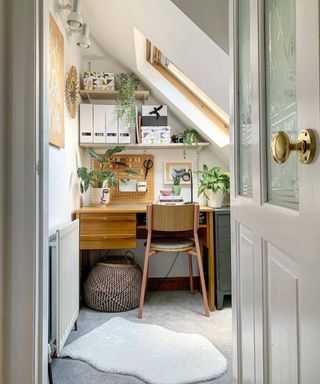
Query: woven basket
x=114 y=285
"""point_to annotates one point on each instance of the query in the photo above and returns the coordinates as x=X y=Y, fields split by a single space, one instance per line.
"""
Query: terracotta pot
x=214 y=199
x=99 y=196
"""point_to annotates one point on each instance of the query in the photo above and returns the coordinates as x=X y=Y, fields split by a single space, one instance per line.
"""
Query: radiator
x=64 y=283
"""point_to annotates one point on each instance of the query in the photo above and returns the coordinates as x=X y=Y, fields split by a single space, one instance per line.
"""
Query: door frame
x=26 y=274
x=258 y=133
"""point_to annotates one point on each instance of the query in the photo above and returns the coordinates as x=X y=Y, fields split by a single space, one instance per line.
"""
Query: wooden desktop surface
x=115 y=226
x=125 y=208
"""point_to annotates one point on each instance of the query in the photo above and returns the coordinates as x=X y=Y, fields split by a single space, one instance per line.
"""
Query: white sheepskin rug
x=149 y=352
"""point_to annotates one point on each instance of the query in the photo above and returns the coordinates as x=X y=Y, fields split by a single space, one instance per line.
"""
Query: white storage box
x=99 y=124
x=86 y=123
x=99 y=81
x=156 y=135
x=154 y=115
x=112 y=135
x=124 y=132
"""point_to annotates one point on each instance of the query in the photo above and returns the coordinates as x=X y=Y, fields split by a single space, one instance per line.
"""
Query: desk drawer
x=127 y=217
x=107 y=231
x=105 y=242
x=107 y=224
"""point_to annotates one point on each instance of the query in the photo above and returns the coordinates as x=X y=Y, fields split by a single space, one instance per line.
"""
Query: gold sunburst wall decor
x=72 y=91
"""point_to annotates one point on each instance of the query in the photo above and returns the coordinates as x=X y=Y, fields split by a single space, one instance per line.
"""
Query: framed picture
x=180 y=167
x=56 y=85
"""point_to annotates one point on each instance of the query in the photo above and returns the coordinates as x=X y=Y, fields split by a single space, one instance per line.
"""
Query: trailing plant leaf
x=127 y=85
x=190 y=137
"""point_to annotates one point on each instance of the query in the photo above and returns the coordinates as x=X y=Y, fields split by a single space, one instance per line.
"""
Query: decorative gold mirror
x=72 y=91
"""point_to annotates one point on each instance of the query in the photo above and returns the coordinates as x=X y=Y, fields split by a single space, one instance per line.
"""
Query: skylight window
x=199 y=98
x=196 y=91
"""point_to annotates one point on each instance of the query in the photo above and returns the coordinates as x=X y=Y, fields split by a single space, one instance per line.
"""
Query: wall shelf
x=110 y=95
x=145 y=146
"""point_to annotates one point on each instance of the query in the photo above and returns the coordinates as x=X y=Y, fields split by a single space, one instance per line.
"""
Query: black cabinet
x=222 y=252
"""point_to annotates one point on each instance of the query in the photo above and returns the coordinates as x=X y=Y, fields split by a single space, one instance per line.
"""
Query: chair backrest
x=171 y=218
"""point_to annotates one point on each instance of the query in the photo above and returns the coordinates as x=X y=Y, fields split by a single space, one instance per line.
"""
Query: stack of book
x=170 y=200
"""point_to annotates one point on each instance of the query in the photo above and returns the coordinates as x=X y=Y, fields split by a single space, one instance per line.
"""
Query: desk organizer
x=135 y=162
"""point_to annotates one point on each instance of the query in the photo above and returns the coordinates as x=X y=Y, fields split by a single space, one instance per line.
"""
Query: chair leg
x=202 y=281
x=191 y=273
x=144 y=281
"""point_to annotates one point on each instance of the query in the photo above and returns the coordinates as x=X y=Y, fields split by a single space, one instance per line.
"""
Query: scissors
x=148 y=164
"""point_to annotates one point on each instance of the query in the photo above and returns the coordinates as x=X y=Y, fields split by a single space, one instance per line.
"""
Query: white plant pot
x=99 y=196
x=214 y=199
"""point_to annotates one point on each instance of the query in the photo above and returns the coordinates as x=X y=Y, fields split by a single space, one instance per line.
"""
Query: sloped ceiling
x=211 y=16
x=113 y=22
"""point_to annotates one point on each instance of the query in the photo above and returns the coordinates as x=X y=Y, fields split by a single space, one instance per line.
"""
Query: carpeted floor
x=178 y=311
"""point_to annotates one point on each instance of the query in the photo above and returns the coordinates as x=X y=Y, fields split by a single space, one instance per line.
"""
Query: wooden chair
x=164 y=219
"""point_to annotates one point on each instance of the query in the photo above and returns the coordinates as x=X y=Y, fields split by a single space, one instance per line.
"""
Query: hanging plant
x=127 y=84
x=190 y=137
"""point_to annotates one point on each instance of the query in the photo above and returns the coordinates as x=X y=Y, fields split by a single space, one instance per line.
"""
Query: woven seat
x=172 y=243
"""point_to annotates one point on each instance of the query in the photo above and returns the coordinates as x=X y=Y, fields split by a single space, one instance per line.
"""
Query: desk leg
x=211 y=275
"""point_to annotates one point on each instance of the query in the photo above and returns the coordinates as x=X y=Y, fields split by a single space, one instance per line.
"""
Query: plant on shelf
x=176 y=176
x=190 y=137
x=102 y=179
x=127 y=84
x=214 y=184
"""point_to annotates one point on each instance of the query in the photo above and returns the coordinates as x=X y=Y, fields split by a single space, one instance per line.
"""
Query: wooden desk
x=118 y=226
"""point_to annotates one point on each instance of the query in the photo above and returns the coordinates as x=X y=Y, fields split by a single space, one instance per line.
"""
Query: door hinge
x=37 y=168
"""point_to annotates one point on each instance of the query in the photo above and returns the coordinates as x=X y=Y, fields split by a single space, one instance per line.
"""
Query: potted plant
x=101 y=180
x=127 y=84
x=176 y=176
x=213 y=183
x=190 y=137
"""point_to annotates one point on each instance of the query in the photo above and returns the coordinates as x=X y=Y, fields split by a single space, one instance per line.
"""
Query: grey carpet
x=178 y=311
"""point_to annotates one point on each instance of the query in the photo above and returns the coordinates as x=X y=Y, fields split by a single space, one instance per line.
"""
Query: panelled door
x=276 y=195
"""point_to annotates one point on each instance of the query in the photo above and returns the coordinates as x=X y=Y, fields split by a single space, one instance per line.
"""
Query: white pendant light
x=75 y=19
x=84 y=40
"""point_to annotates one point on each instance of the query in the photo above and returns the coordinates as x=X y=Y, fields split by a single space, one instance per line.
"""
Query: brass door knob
x=281 y=146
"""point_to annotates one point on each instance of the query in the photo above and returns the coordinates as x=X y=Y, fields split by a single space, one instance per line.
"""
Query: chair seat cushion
x=175 y=243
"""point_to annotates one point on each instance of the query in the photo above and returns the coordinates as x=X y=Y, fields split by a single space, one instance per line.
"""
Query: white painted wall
x=64 y=195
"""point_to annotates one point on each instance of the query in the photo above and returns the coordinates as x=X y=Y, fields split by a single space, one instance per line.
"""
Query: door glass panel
x=281 y=105
x=244 y=84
